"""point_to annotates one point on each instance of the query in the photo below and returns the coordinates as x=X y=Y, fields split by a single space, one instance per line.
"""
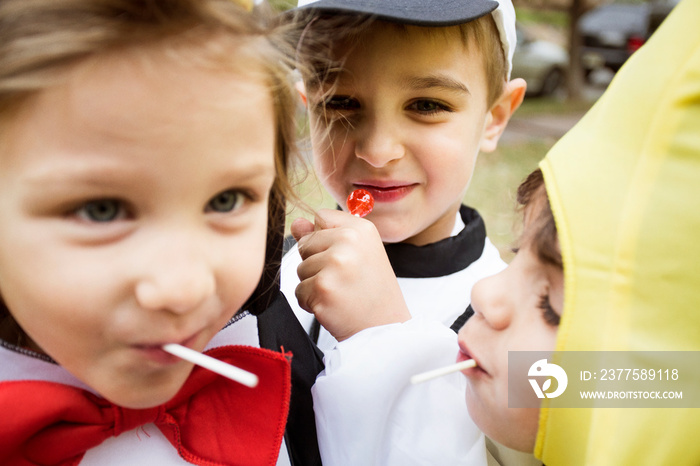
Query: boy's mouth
x=387 y=192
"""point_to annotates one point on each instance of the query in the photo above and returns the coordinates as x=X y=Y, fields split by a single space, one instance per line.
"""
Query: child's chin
x=515 y=428
x=517 y=432
x=142 y=402
x=141 y=397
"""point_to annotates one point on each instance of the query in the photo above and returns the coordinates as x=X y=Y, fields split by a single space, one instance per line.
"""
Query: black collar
x=444 y=257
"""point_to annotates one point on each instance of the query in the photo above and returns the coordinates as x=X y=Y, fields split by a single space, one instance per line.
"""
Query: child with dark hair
x=517 y=309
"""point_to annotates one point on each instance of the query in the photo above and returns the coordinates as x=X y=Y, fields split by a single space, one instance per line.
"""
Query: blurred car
x=658 y=12
x=611 y=33
x=542 y=64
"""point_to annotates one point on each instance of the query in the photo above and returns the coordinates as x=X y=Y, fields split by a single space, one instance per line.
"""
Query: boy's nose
x=378 y=144
x=492 y=300
x=177 y=281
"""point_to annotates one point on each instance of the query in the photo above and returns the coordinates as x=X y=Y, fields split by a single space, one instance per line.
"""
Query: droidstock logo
x=542 y=368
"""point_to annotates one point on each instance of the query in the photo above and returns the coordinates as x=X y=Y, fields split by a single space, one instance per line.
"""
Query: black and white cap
x=433 y=13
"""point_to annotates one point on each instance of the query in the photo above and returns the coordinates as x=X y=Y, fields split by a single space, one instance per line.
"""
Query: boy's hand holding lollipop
x=346 y=279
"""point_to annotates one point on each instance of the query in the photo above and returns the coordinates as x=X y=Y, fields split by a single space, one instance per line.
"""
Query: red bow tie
x=212 y=420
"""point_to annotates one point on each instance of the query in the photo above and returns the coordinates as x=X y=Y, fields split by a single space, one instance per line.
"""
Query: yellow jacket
x=624 y=185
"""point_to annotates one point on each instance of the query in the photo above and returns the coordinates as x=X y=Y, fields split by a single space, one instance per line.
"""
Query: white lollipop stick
x=425 y=376
x=227 y=370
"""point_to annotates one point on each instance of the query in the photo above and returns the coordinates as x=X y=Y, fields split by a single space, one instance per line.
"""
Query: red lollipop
x=360 y=202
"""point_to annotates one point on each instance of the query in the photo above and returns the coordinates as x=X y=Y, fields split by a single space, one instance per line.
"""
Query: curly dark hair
x=539 y=227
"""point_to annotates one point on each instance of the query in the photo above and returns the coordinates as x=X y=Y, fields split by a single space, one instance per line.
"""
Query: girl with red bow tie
x=143 y=148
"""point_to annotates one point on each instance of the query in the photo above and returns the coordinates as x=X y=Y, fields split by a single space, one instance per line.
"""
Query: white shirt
x=366 y=411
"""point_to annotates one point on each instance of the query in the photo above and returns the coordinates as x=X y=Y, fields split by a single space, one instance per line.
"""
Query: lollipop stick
x=425 y=376
x=227 y=370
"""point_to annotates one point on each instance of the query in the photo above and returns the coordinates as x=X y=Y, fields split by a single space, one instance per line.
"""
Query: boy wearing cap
x=401 y=102
x=409 y=100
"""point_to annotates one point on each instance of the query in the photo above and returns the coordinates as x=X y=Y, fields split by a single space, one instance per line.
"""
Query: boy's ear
x=301 y=89
x=500 y=113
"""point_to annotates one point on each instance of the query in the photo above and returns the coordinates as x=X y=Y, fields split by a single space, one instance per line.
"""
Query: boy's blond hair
x=320 y=31
x=318 y=55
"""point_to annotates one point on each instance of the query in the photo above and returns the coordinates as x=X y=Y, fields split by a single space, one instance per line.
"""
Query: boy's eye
x=341 y=102
x=549 y=314
x=226 y=201
x=103 y=210
x=428 y=106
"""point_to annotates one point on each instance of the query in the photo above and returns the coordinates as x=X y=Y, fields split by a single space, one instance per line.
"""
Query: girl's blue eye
x=103 y=210
x=226 y=201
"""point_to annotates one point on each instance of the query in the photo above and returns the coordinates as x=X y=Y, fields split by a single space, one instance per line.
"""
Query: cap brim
x=415 y=12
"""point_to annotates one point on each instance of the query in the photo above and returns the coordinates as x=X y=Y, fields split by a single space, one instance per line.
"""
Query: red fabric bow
x=211 y=421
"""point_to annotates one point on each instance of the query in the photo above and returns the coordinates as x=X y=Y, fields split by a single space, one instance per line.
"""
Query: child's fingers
x=308 y=296
x=300 y=228
x=310 y=266
x=345 y=242
x=335 y=229
x=349 y=227
x=331 y=218
x=328 y=263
